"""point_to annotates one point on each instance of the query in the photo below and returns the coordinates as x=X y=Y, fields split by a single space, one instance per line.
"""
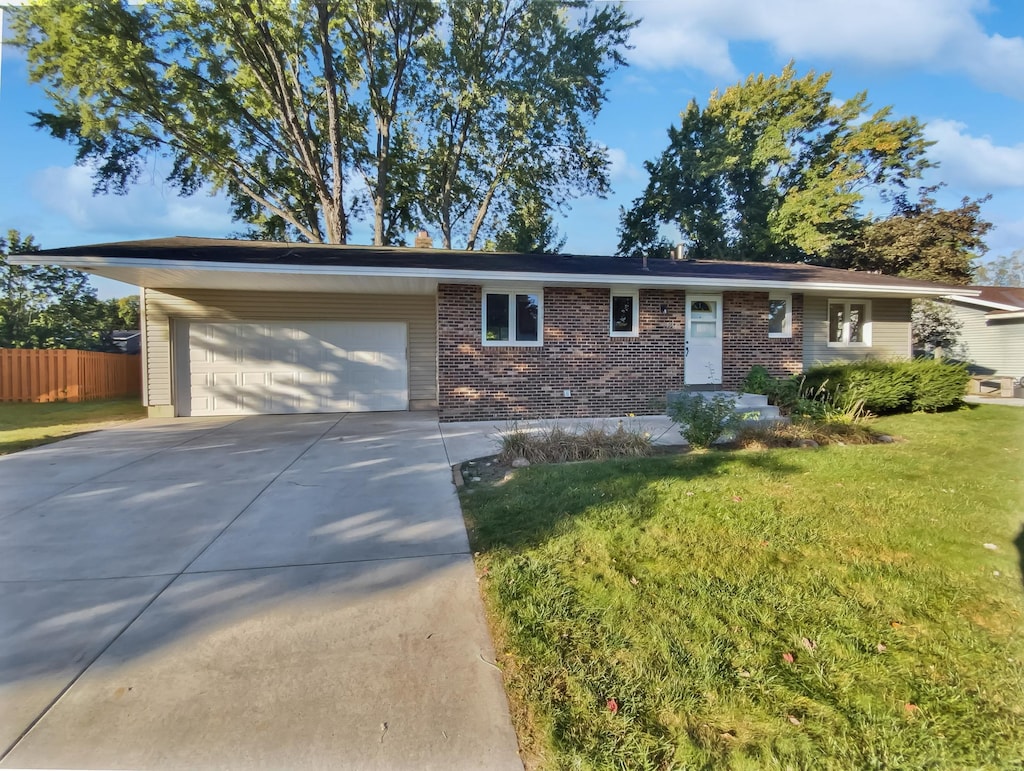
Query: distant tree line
x=42 y=306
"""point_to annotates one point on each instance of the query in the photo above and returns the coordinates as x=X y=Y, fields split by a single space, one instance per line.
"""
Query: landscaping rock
x=806 y=443
x=884 y=439
x=520 y=463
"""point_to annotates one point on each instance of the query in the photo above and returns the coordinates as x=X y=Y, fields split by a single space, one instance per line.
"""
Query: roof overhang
x=962 y=297
x=189 y=274
x=1001 y=315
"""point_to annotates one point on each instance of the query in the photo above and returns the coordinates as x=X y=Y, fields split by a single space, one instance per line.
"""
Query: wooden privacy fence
x=54 y=375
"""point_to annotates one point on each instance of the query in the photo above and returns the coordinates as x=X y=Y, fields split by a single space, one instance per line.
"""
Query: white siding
x=890 y=332
x=993 y=347
x=162 y=307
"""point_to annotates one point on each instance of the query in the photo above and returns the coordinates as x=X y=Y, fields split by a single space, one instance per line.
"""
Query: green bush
x=703 y=419
x=757 y=381
x=886 y=387
x=940 y=385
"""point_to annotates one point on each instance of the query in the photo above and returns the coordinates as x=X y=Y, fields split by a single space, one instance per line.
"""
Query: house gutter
x=973 y=300
x=485 y=276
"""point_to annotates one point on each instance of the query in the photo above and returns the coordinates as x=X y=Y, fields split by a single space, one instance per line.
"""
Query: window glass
x=526 y=317
x=497 y=316
x=622 y=314
x=702 y=306
x=857 y=312
x=777 y=317
x=835 y=323
x=703 y=329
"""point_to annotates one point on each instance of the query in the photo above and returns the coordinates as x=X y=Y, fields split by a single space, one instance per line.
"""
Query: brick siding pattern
x=745 y=340
x=608 y=376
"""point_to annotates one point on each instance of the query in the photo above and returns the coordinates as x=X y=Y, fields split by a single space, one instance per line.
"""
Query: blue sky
x=958 y=65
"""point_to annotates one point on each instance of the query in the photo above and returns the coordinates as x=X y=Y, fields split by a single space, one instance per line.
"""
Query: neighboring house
x=992 y=329
x=242 y=327
x=127 y=340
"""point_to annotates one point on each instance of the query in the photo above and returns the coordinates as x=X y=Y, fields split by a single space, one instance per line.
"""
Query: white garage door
x=326 y=366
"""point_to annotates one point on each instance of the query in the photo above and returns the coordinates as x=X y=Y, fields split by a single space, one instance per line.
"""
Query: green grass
x=27 y=425
x=677 y=586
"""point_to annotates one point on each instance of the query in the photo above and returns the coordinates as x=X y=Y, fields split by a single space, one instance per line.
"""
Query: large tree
x=773 y=168
x=1007 y=270
x=311 y=114
x=921 y=240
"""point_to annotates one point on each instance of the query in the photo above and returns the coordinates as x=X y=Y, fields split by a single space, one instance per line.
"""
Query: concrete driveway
x=267 y=592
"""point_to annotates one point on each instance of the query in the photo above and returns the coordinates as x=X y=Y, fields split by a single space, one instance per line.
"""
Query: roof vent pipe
x=644 y=265
x=679 y=253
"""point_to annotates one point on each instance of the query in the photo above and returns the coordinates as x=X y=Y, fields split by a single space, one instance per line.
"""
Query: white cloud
x=620 y=167
x=151 y=209
x=974 y=162
x=941 y=35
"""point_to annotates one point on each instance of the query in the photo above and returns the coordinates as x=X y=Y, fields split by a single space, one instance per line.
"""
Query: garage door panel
x=256 y=368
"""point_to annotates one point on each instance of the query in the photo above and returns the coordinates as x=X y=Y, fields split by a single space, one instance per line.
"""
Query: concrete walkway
x=270 y=592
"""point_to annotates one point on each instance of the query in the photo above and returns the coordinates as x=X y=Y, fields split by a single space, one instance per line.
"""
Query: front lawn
x=27 y=425
x=848 y=606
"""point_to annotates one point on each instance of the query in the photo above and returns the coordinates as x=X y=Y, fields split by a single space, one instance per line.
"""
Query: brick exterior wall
x=745 y=340
x=608 y=376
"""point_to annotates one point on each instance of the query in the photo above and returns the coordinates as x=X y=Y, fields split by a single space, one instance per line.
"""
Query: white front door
x=703 y=340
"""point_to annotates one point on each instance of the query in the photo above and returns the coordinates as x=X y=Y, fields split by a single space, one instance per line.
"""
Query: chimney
x=423 y=240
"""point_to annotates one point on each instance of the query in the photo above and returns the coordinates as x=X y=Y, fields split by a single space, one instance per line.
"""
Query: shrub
x=703 y=419
x=890 y=386
x=940 y=384
x=757 y=381
x=881 y=386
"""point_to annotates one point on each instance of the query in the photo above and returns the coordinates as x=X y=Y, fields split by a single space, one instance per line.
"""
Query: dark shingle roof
x=1004 y=295
x=209 y=250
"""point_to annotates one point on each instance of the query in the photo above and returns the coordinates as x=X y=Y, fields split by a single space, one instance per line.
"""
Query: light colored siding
x=890 y=331
x=992 y=347
x=163 y=307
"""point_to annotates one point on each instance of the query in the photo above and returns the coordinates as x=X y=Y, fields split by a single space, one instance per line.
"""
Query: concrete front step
x=750 y=406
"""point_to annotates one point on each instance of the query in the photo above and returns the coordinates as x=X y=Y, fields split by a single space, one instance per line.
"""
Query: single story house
x=992 y=329
x=241 y=327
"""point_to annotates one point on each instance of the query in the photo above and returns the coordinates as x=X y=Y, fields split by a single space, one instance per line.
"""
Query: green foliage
x=1007 y=270
x=678 y=585
x=884 y=387
x=757 y=381
x=920 y=240
x=702 y=420
x=772 y=168
x=530 y=230
x=42 y=306
x=938 y=385
x=312 y=114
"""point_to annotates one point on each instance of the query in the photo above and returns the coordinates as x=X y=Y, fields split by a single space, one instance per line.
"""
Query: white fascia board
x=984 y=303
x=488 y=276
x=998 y=315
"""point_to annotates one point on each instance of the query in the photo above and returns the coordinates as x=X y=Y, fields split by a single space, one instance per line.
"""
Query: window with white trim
x=513 y=317
x=780 y=315
x=849 y=323
x=624 y=314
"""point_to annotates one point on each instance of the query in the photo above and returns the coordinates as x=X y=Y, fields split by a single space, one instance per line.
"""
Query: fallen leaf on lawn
x=794 y=720
x=743 y=673
x=990 y=546
x=881 y=648
x=808 y=644
x=764 y=543
x=911 y=708
x=737 y=498
x=787 y=657
x=613 y=706
x=632 y=580
x=895 y=624
x=689 y=492
x=727 y=735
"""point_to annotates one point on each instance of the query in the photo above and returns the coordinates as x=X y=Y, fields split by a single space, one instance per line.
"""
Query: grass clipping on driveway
x=837 y=607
